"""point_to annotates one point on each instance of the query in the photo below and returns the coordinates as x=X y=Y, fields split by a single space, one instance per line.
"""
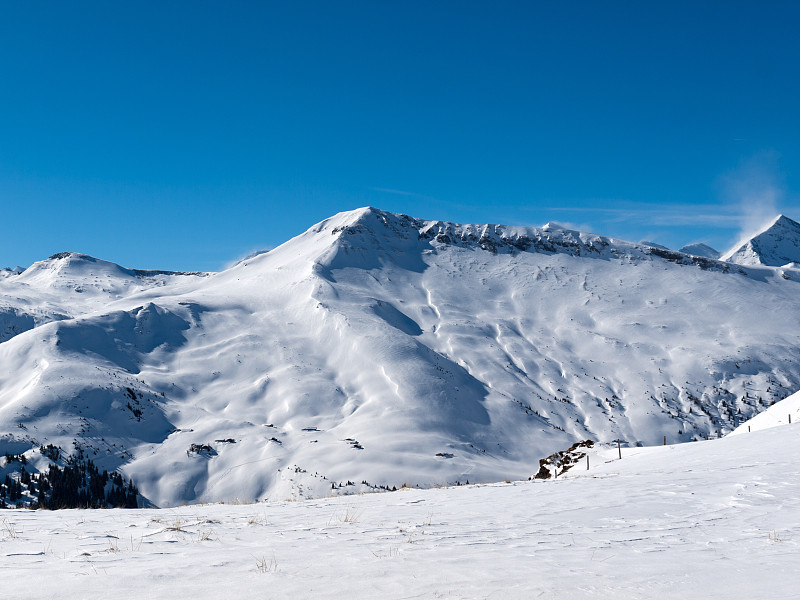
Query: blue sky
x=183 y=135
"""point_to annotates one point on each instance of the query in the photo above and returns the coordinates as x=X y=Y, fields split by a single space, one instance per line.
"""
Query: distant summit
x=7 y=272
x=653 y=245
x=700 y=249
x=775 y=245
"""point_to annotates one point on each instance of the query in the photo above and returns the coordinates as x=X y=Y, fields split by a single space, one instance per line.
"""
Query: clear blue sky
x=183 y=135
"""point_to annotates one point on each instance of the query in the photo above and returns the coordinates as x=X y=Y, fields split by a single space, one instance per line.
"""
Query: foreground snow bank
x=700 y=520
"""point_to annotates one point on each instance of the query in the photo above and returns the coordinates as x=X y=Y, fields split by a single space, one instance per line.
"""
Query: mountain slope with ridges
x=377 y=349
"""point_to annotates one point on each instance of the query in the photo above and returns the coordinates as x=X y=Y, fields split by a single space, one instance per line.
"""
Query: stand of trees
x=78 y=484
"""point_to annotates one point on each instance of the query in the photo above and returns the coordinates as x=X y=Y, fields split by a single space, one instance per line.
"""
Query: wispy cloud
x=706 y=215
x=749 y=197
x=402 y=193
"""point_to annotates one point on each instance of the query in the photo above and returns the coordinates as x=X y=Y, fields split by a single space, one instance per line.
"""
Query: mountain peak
x=67 y=263
x=553 y=226
x=783 y=220
x=72 y=255
x=775 y=245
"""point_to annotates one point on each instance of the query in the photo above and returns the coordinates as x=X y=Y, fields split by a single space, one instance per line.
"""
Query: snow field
x=716 y=519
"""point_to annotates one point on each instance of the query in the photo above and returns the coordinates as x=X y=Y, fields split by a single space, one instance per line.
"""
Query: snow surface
x=377 y=349
x=716 y=519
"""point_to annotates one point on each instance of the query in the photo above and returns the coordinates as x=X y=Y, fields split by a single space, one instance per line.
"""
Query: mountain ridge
x=488 y=236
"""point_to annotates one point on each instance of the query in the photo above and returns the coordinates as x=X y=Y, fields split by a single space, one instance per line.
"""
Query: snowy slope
x=377 y=349
x=781 y=413
x=775 y=245
x=716 y=519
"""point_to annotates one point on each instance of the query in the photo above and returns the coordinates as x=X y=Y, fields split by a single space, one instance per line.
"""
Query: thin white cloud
x=402 y=193
x=662 y=216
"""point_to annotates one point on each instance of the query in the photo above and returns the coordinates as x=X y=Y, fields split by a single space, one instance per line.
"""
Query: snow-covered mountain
x=378 y=350
x=69 y=284
x=776 y=245
x=700 y=249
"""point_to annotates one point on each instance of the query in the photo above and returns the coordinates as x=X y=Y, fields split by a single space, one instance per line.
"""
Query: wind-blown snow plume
x=756 y=189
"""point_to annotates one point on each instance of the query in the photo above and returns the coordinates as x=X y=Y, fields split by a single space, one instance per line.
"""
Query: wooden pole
x=665 y=440
x=587 y=462
x=619 y=449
